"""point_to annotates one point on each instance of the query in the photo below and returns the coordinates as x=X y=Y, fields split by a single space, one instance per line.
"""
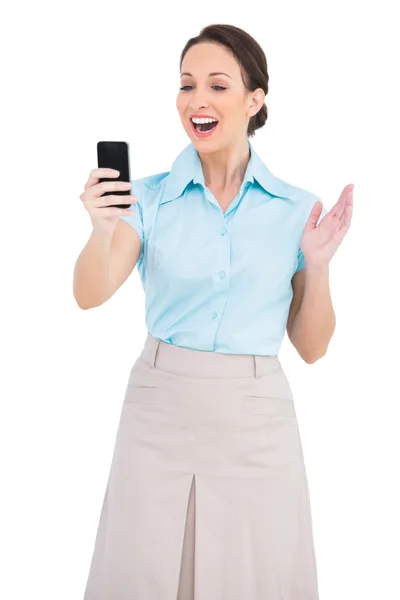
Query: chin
x=203 y=147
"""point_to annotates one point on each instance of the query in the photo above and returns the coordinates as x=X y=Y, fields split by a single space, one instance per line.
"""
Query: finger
x=350 y=194
x=314 y=216
x=113 y=211
x=348 y=213
x=344 y=221
x=110 y=186
x=348 y=206
x=113 y=199
x=96 y=174
x=338 y=209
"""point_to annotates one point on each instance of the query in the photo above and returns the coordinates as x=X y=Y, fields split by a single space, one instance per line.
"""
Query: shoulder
x=146 y=188
x=295 y=193
x=296 y=197
x=300 y=200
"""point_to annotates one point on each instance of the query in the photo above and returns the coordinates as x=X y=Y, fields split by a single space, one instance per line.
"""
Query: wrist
x=102 y=234
x=317 y=270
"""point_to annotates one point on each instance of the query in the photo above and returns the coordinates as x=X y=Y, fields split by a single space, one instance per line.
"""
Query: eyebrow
x=210 y=74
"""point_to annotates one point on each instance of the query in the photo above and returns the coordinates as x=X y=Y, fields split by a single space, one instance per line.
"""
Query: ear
x=256 y=101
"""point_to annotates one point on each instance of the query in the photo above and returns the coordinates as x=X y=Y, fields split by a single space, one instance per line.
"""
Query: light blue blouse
x=213 y=280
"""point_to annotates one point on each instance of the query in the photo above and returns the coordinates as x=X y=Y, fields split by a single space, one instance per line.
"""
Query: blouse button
x=222 y=274
x=223 y=231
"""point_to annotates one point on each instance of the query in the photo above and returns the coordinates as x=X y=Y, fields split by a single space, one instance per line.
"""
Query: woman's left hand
x=320 y=242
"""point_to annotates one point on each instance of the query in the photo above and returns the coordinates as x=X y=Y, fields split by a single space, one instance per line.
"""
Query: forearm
x=314 y=324
x=91 y=273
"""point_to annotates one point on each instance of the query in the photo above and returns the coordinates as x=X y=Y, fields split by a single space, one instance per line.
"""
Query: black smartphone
x=115 y=155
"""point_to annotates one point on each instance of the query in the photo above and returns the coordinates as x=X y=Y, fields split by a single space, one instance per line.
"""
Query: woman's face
x=223 y=97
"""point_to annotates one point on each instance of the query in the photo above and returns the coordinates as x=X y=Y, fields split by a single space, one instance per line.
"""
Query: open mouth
x=204 y=127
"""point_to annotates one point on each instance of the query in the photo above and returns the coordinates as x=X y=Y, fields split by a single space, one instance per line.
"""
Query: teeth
x=200 y=121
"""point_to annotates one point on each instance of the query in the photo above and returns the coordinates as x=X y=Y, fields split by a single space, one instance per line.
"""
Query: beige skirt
x=207 y=496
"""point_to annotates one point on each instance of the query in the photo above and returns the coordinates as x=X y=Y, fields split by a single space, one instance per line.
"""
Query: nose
x=198 y=108
x=197 y=104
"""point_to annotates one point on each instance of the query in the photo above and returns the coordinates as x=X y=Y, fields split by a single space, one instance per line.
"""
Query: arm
x=311 y=321
x=104 y=264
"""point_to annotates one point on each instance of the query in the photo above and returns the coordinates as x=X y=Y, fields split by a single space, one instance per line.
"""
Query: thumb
x=314 y=216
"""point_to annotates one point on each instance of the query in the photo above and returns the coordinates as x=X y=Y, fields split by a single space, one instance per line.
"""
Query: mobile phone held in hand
x=115 y=155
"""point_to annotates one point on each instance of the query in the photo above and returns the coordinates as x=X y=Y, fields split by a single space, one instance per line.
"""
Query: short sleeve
x=300 y=256
x=300 y=261
x=135 y=220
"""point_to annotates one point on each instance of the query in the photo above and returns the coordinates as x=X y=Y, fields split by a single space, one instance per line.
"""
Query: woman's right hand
x=105 y=220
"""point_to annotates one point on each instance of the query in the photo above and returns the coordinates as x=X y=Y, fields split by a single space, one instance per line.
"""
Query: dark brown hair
x=251 y=59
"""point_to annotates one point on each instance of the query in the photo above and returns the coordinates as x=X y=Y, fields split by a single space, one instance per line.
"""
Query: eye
x=221 y=89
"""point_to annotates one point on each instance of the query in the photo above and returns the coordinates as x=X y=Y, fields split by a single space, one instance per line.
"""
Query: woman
x=207 y=496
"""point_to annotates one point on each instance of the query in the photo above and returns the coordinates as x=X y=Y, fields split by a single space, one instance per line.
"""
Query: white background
x=110 y=71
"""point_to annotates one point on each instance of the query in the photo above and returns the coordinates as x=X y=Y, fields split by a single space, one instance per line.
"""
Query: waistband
x=199 y=363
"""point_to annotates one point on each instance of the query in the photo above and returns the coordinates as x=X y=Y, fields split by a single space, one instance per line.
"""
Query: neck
x=225 y=168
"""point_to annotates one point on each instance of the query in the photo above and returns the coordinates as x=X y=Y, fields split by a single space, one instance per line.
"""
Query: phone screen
x=115 y=155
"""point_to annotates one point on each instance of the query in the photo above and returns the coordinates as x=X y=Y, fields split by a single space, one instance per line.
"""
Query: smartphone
x=115 y=155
